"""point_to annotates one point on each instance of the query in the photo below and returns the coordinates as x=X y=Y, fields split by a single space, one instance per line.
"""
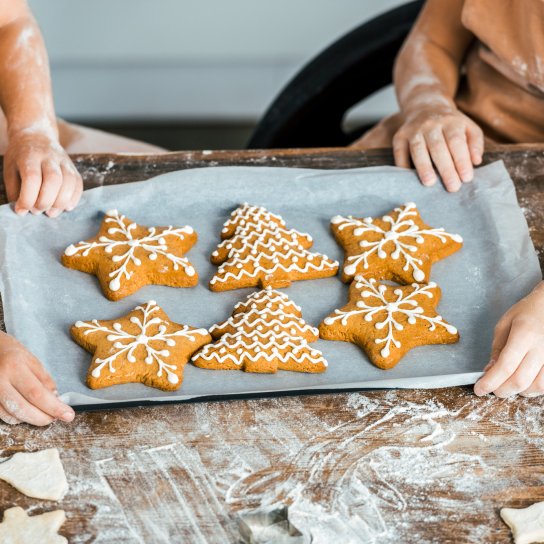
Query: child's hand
x=27 y=392
x=517 y=354
x=442 y=136
x=39 y=175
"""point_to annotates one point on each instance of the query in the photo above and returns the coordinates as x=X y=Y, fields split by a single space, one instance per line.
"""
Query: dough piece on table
x=19 y=528
x=388 y=320
x=38 y=474
x=398 y=246
x=142 y=346
x=266 y=333
x=125 y=256
x=527 y=524
x=258 y=250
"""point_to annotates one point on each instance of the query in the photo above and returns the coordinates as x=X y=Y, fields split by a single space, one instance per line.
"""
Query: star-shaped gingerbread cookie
x=387 y=320
x=143 y=346
x=126 y=256
x=398 y=246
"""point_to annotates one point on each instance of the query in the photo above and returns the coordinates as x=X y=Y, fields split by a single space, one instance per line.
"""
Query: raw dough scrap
x=527 y=524
x=19 y=528
x=39 y=474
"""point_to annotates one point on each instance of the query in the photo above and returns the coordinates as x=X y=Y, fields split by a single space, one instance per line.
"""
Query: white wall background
x=200 y=60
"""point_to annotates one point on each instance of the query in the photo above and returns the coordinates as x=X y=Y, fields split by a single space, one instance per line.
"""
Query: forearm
x=424 y=76
x=427 y=69
x=38 y=174
x=25 y=93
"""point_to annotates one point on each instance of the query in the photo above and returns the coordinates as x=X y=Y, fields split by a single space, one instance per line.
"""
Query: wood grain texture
x=381 y=466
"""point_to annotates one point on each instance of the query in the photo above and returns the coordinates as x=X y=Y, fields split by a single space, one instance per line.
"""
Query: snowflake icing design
x=373 y=306
x=154 y=244
x=404 y=234
x=124 y=342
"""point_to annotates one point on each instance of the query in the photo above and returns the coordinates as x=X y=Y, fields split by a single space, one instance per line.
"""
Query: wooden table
x=382 y=466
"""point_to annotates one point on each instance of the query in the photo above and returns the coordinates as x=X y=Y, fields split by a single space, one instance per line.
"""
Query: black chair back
x=310 y=110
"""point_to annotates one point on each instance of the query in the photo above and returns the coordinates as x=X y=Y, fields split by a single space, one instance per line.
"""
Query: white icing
x=124 y=342
x=258 y=313
x=154 y=243
x=282 y=346
x=400 y=241
x=246 y=213
x=374 y=307
x=261 y=247
x=270 y=297
x=263 y=333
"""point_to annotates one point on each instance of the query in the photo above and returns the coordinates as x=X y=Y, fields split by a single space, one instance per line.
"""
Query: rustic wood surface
x=381 y=466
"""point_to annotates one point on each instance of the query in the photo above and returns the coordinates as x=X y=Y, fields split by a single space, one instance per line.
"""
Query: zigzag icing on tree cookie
x=398 y=246
x=264 y=310
x=125 y=256
x=144 y=346
x=387 y=321
x=246 y=214
x=258 y=250
x=266 y=333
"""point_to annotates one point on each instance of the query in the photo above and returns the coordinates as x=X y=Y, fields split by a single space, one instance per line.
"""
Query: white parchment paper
x=496 y=267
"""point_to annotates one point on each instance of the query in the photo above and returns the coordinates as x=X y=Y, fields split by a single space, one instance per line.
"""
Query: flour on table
x=19 y=528
x=527 y=524
x=39 y=474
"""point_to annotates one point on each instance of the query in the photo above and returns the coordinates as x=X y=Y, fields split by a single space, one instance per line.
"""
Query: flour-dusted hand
x=443 y=137
x=27 y=392
x=517 y=354
x=39 y=175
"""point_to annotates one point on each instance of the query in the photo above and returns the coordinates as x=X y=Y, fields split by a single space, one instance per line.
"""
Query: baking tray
x=496 y=267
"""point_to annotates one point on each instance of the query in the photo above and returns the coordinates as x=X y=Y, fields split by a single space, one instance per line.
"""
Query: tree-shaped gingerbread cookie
x=258 y=250
x=266 y=333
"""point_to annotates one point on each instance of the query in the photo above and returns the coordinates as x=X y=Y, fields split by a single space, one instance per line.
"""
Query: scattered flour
x=374 y=471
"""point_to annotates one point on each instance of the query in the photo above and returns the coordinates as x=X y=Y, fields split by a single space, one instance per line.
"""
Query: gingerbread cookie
x=143 y=346
x=258 y=250
x=126 y=256
x=398 y=246
x=266 y=333
x=387 y=320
